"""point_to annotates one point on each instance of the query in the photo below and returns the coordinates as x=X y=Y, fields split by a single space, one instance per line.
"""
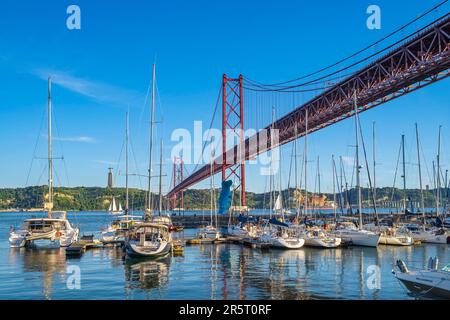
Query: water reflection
x=151 y=276
x=48 y=262
x=222 y=271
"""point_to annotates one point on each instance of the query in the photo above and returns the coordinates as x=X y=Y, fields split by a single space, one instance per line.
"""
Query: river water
x=222 y=271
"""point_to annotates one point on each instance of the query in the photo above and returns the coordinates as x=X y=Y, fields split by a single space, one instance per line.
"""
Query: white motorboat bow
x=431 y=281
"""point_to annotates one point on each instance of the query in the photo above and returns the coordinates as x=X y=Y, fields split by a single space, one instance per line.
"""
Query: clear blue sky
x=104 y=69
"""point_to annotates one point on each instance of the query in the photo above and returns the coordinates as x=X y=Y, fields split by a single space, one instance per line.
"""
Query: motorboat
x=427 y=282
x=148 y=240
x=53 y=231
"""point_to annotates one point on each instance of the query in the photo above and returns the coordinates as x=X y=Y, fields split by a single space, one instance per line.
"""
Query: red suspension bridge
x=416 y=61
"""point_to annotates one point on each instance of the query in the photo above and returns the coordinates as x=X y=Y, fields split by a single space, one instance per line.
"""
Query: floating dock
x=85 y=243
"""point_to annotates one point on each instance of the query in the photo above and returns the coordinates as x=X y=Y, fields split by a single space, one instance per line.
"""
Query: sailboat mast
x=149 y=198
x=50 y=150
x=160 y=178
x=318 y=184
x=404 y=173
x=211 y=181
x=358 y=183
x=422 y=199
x=306 y=163
x=334 y=187
x=374 y=164
x=271 y=205
x=438 y=174
x=126 y=165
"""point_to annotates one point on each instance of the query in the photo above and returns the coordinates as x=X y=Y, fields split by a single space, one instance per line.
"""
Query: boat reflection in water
x=50 y=264
x=151 y=276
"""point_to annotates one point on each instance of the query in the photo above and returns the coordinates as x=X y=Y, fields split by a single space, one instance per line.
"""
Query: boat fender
x=402 y=266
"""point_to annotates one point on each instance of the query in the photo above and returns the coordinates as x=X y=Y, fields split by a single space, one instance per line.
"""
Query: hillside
x=96 y=198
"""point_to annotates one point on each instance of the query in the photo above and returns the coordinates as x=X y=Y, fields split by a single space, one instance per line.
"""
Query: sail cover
x=276 y=222
x=225 y=197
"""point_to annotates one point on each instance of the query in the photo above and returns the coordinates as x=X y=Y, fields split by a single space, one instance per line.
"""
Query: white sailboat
x=151 y=238
x=348 y=232
x=392 y=235
x=55 y=230
x=148 y=240
x=162 y=217
x=211 y=231
x=118 y=228
x=276 y=232
x=281 y=235
x=437 y=235
x=113 y=208
x=316 y=236
x=319 y=238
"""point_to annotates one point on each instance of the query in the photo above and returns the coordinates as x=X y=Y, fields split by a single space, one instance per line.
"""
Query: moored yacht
x=118 y=228
x=280 y=235
x=432 y=235
x=318 y=237
x=148 y=240
x=54 y=230
x=350 y=234
x=392 y=235
x=244 y=228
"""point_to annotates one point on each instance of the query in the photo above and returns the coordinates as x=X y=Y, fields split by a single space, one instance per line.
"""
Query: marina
x=156 y=182
x=208 y=271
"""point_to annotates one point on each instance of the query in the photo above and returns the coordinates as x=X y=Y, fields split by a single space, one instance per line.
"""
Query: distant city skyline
x=104 y=70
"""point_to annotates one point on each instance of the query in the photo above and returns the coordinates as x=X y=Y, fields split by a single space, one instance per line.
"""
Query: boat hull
x=48 y=240
x=318 y=242
x=425 y=285
x=430 y=237
x=134 y=250
x=282 y=242
x=396 y=240
x=289 y=243
x=361 y=238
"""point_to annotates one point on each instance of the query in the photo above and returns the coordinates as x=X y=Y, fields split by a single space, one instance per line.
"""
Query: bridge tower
x=233 y=123
x=178 y=171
